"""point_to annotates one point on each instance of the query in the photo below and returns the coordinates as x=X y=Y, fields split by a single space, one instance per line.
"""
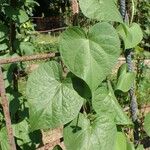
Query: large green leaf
x=125 y=79
x=85 y=134
x=104 y=101
x=131 y=35
x=105 y=10
x=91 y=55
x=147 y=124
x=52 y=100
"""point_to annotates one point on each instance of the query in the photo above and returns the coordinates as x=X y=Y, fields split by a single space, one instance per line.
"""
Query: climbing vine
x=73 y=90
x=89 y=55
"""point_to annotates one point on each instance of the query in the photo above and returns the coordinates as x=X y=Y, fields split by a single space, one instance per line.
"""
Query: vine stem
x=128 y=56
x=5 y=106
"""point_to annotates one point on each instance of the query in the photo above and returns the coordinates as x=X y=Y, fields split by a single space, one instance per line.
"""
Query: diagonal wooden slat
x=28 y=58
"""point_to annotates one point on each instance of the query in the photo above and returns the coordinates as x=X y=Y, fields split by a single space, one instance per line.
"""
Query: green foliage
x=90 y=50
x=17 y=15
x=26 y=48
x=101 y=10
x=80 y=97
x=3 y=32
x=143 y=82
x=52 y=100
x=140 y=147
x=125 y=79
x=104 y=101
x=24 y=138
x=85 y=133
x=3 y=46
x=3 y=37
x=131 y=35
x=142 y=17
x=121 y=142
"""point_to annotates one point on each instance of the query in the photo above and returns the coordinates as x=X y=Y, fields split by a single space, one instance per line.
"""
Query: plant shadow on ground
x=35 y=138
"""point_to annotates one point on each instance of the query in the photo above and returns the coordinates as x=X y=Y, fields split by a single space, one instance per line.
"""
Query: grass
x=45 y=43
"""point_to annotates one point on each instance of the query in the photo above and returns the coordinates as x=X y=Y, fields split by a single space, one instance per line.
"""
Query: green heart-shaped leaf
x=83 y=134
x=131 y=36
x=91 y=55
x=53 y=102
x=105 y=10
x=125 y=79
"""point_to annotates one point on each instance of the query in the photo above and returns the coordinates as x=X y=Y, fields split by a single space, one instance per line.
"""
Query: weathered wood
x=28 y=58
x=5 y=106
